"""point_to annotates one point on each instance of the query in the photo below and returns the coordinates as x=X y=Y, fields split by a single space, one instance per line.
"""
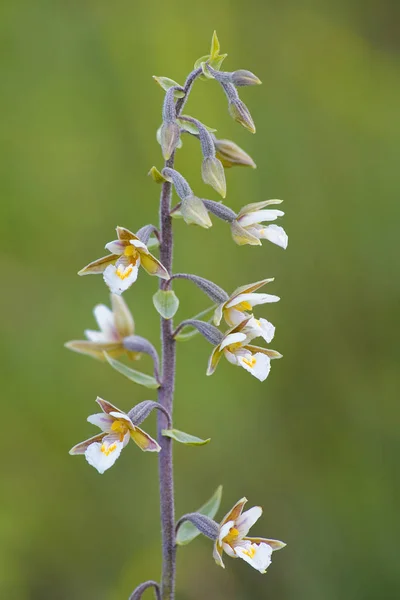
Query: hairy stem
x=166 y=391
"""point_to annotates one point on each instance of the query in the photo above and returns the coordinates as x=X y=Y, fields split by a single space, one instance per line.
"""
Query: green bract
x=166 y=303
x=136 y=376
x=184 y=438
x=188 y=532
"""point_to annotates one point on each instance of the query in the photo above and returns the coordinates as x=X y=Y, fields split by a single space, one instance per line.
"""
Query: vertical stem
x=165 y=397
x=166 y=391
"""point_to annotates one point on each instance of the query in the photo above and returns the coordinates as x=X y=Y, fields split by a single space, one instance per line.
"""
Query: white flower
x=238 y=351
x=114 y=325
x=240 y=303
x=120 y=268
x=248 y=227
x=232 y=538
x=101 y=451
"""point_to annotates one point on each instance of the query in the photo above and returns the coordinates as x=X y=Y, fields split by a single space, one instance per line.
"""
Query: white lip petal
x=252 y=298
x=259 y=216
x=101 y=420
x=232 y=338
x=247 y=520
x=260 y=328
x=105 y=320
x=258 y=365
x=103 y=455
x=257 y=555
x=275 y=234
x=120 y=278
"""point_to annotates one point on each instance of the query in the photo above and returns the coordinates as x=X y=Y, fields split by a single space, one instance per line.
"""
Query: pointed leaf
x=188 y=532
x=136 y=376
x=184 y=438
x=166 y=303
x=166 y=83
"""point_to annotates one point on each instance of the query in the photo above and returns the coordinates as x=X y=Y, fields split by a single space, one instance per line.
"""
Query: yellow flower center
x=120 y=426
x=132 y=252
x=123 y=272
x=243 y=306
x=108 y=449
x=232 y=536
x=250 y=362
x=250 y=552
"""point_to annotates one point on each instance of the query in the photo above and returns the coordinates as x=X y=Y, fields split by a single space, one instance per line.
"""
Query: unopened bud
x=170 y=133
x=241 y=78
x=194 y=212
x=213 y=173
x=239 y=111
x=230 y=154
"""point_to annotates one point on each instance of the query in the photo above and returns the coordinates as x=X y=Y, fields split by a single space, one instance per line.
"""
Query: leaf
x=191 y=127
x=184 y=438
x=166 y=83
x=155 y=174
x=166 y=303
x=136 y=376
x=215 y=47
x=188 y=532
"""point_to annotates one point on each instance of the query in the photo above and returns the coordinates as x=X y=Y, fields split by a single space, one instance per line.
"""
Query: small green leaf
x=190 y=127
x=166 y=303
x=136 y=376
x=188 y=532
x=166 y=83
x=215 y=47
x=156 y=175
x=184 y=438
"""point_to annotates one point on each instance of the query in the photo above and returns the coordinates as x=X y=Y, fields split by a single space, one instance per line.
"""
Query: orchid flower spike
x=248 y=229
x=120 y=268
x=238 y=351
x=102 y=450
x=232 y=538
x=240 y=303
x=114 y=325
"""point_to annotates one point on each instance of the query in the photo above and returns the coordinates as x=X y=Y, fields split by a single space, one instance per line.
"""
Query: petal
x=235 y=512
x=144 y=441
x=251 y=287
x=275 y=544
x=258 y=556
x=119 y=280
x=95 y=349
x=275 y=234
x=231 y=357
x=214 y=360
x=229 y=550
x=117 y=414
x=139 y=245
x=253 y=299
x=105 y=321
x=125 y=235
x=241 y=236
x=96 y=336
x=83 y=446
x=218 y=314
x=108 y=408
x=217 y=554
x=101 y=420
x=258 y=365
x=260 y=328
x=153 y=266
x=247 y=520
x=103 y=455
x=232 y=338
x=123 y=319
x=259 y=216
x=99 y=265
x=116 y=247
x=234 y=317
x=258 y=206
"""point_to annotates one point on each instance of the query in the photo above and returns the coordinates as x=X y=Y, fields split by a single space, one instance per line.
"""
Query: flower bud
x=213 y=173
x=170 y=133
x=194 y=212
x=230 y=154
x=239 y=111
x=241 y=78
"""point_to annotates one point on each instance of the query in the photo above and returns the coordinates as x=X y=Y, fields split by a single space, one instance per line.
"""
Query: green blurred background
x=318 y=443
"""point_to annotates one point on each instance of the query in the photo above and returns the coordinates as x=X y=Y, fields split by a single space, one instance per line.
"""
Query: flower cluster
x=116 y=337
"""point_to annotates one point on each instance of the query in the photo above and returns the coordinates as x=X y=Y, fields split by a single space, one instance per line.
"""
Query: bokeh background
x=318 y=443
